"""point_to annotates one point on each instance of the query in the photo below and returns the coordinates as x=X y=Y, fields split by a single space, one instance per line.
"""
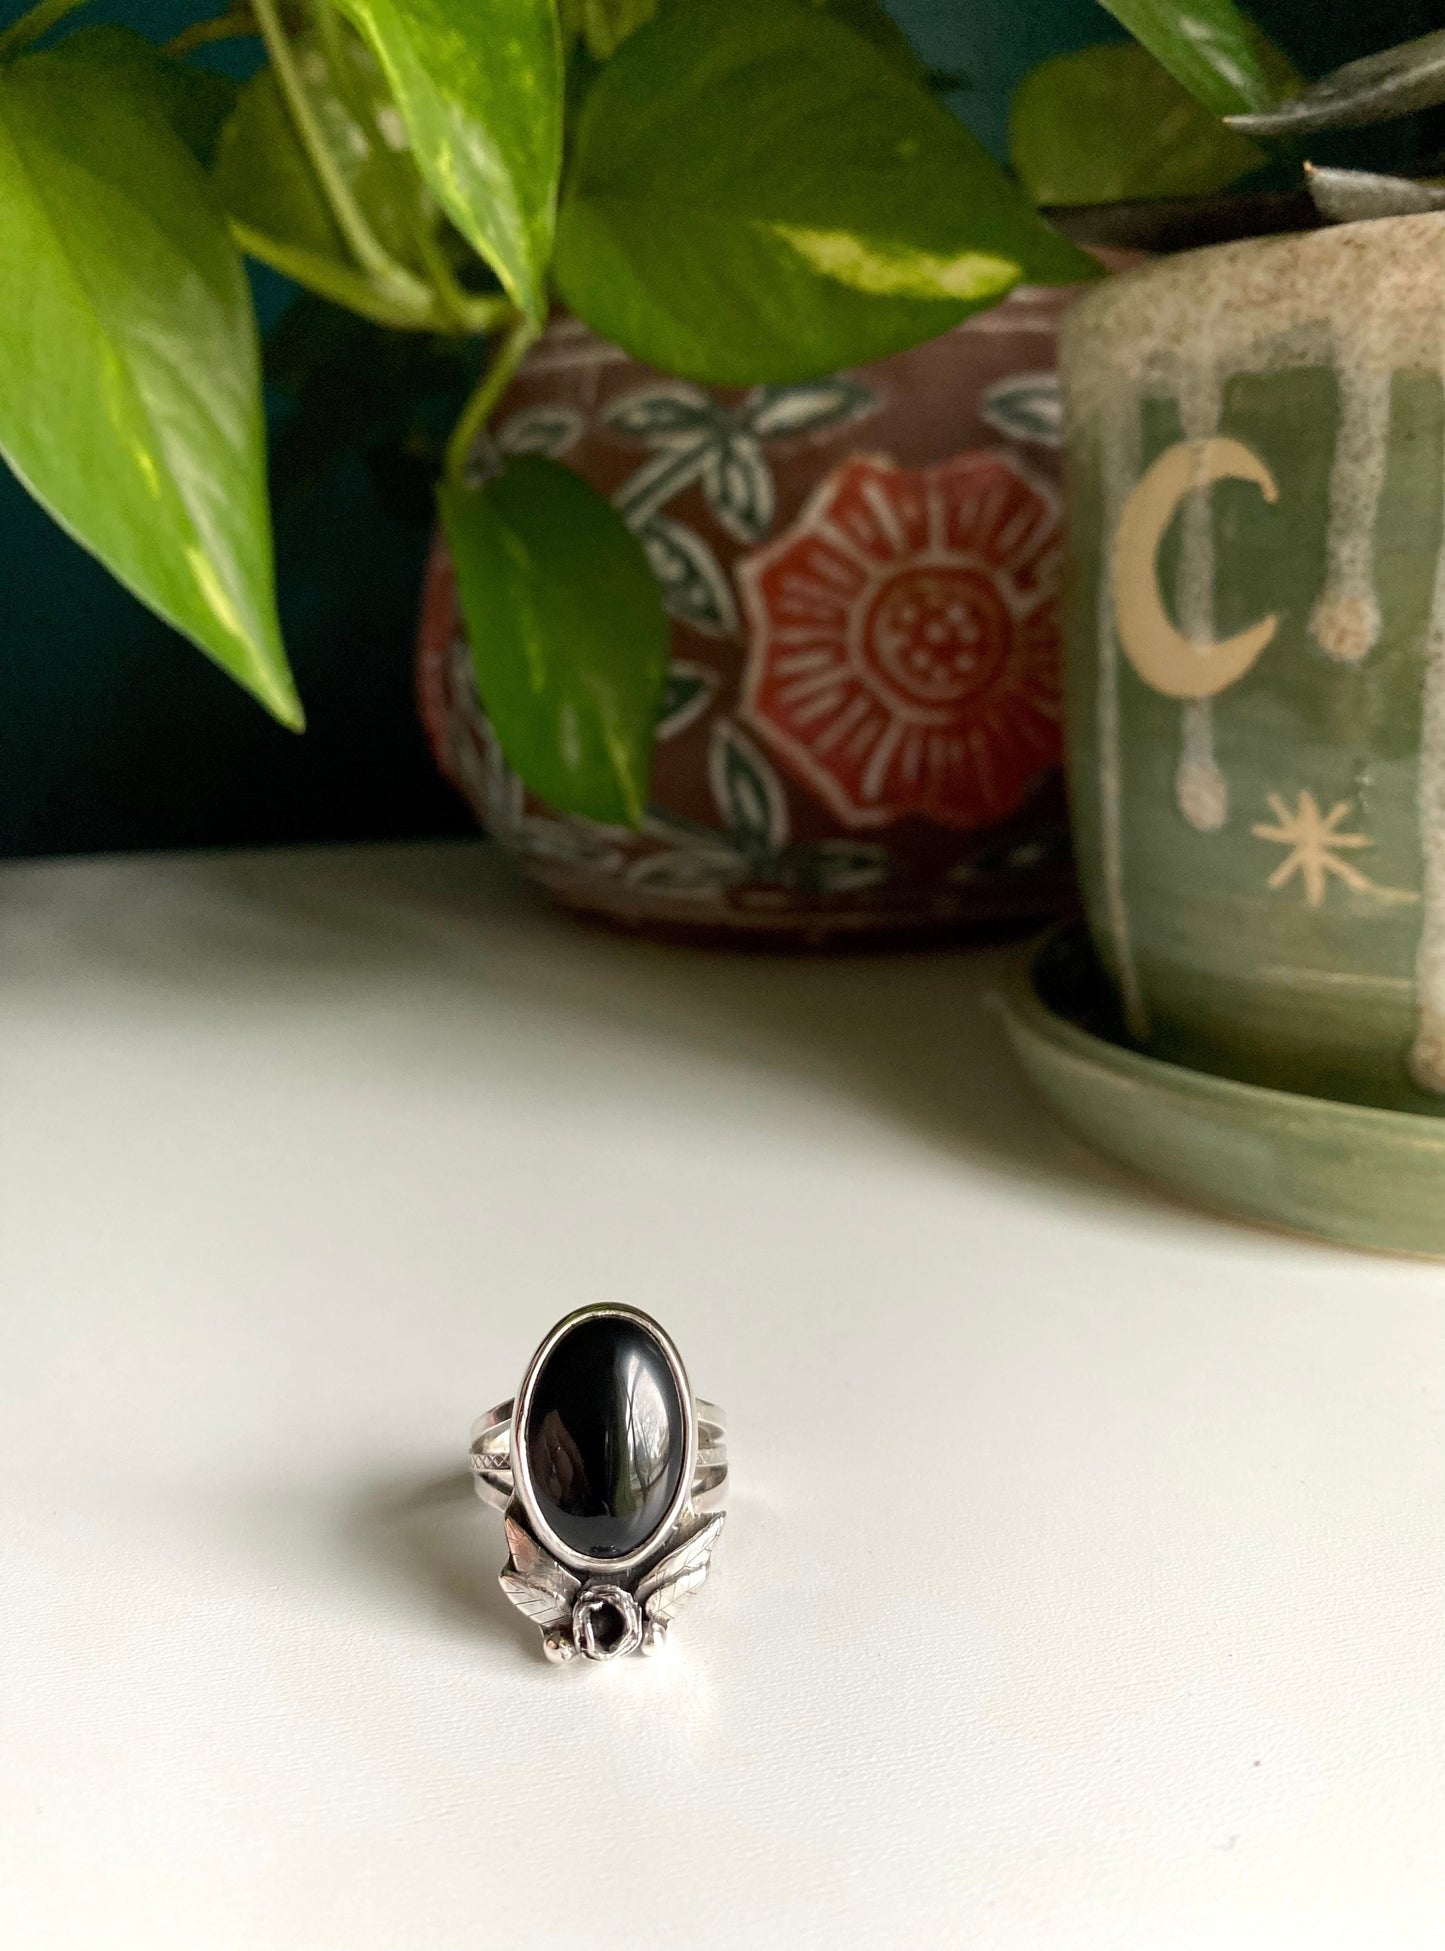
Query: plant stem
x=490 y=388
x=202 y=33
x=484 y=312
x=398 y=165
x=353 y=226
x=40 y=19
x=454 y=300
x=342 y=286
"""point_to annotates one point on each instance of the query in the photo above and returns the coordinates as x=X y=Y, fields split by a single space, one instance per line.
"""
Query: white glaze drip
x=1119 y=464
x=1345 y=621
x=1200 y=789
x=1427 y=1056
x=1199 y=786
x=1365 y=300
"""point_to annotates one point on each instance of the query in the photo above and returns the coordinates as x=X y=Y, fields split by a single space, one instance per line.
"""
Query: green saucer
x=1345 y=1172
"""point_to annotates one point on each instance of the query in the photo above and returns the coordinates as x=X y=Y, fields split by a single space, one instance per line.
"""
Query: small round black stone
x=609 y=1627
x=605 y=1436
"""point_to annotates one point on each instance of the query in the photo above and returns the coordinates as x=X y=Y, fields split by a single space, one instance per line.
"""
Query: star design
x=1315 y=845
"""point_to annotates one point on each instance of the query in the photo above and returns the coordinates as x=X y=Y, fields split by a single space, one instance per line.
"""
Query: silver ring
x=609 y=1471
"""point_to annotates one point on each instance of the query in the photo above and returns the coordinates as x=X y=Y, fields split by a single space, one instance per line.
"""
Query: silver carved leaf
x=534 y=1581
x=675 y=1578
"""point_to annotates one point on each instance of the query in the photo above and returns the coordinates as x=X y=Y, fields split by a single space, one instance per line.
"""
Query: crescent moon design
x=1167 y=660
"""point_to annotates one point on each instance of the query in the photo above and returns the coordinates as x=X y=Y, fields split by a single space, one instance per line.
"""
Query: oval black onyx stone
x=606 y=1432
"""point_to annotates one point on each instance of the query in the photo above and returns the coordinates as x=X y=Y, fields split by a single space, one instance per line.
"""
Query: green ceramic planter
x=1350 y=1173
x=1256 y=656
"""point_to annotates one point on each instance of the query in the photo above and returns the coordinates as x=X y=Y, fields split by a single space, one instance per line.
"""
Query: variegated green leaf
x=1208 y=45
x=757 y=193
x=1111 y=124
x=268 y=185
x=568 y=636
x=131 y=403
x=479 y=86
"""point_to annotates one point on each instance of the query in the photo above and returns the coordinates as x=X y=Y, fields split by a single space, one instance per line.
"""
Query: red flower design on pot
x=903 y=640
x=858 y=734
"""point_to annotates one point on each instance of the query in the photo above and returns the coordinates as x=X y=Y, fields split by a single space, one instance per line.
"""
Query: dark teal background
x=115 y=733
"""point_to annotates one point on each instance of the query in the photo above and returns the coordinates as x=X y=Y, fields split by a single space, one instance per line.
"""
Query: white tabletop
x=1082 y=1581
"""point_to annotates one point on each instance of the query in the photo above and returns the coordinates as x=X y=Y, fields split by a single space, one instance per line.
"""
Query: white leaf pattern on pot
x=549 y=430
x=690 y=873
x=780 y=412
x=569 y=842
x=1026 y=406
x=689 y=691
x=749 y=796
x=845 y=866
x=739 y=486
x=663 y=413
x=694 y=587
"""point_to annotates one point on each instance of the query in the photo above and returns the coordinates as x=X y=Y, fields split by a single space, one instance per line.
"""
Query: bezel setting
x=566 y=1554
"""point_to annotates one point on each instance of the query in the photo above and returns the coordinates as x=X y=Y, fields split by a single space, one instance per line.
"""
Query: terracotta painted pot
x=1256 y=655
x=860 y=735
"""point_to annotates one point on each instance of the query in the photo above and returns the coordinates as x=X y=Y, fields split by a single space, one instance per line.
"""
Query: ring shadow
x=424 y=1540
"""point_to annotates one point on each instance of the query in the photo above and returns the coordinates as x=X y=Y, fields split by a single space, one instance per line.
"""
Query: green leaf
x=568 y=635
x=269 y=187
x=1207 y=45
x=604 y=24
x=131 y=402
x=194 y=101
x=33 y=25
x=759 y=197
x=1109 y=124
x=868 y=18
x=479 y=86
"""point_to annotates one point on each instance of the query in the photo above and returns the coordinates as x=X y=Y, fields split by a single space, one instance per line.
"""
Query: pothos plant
x=1187 y=119
x=746 y=193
